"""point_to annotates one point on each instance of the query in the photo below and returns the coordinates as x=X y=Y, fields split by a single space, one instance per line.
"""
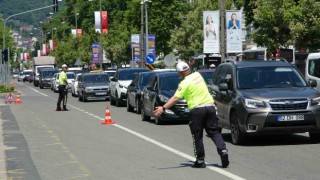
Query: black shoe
x=224 y=158
x=199 y=165
x=58 y=109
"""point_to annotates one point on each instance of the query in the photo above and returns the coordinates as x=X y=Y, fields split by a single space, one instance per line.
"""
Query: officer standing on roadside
x=202 y=113
x=63 y=89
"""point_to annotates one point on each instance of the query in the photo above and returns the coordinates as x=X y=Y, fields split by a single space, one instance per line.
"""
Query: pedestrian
x=202 y=113
x=63 y=89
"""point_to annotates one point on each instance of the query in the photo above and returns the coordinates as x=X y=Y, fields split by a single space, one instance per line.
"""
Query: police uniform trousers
x=205 y=118
x=63 y=96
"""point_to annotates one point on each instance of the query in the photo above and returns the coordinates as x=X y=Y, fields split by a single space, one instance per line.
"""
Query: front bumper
x=97 y=95
x=46 y=83
x=267 y=122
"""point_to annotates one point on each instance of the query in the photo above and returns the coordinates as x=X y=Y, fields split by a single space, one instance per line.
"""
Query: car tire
x=144 y=117
x=129 y=107
x=158 y=121
x=112 y=102
x=314 y=136
x=118 y=103
x=138 y=108
x=237 y=137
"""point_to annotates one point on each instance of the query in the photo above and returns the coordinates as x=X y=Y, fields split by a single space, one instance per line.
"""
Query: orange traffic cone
x=18 y=100
x=108 y=119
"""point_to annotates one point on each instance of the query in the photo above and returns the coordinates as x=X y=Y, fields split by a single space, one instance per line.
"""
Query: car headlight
x=89 y=89
x=251 y=103
x=163 y=98
x=315 y=101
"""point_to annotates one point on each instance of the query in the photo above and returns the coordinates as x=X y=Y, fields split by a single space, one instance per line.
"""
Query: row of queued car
x=252 y=98
x=142 y=90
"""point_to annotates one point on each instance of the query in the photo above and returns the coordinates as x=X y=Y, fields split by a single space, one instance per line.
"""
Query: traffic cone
x=108 y=119
x=18 y=100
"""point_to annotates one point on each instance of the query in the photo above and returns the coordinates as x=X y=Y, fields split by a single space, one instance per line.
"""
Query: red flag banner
x=79 y=32
x=54 y=44
x=47 y=49
x=104 y=22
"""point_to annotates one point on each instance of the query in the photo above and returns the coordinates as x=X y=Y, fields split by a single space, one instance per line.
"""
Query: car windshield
x=127 y=75
x=207 y=76
x=70 y=76
x=269 y=77
x=169 y=83
x=27 y=72
x=145 y=79
x=48 y=73
x=96 y=78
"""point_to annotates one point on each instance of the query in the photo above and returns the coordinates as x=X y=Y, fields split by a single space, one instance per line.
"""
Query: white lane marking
x=159 y=144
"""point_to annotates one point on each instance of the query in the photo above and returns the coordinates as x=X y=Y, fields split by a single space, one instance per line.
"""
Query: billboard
x=211 y=35
x=234 y=31
x=152 y=44
x=95 y=53
x=135 y=47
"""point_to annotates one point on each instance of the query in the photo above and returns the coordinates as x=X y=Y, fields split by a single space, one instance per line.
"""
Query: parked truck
x=40 y=63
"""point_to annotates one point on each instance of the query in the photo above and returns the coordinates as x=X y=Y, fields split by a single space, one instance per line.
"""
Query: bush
x=5 y=88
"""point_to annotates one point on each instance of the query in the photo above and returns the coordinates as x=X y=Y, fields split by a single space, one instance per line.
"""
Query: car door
x=217 y=95
x=226 y=97
x=80 y=85
x=146 y=95
x=153 y=95
x=132 y=90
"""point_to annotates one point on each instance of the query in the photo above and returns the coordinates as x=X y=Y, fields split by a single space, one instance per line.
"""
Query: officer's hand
x=158 y=111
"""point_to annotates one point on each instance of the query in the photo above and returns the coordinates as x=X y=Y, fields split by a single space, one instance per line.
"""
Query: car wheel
x=138 y=108
x=129 y=107
x=236 y=135
x=112 y=102
x=84 y=98
x=118 y=103
x=158 y=121
x=314 y=136
x=80 y=97
x=144 y=117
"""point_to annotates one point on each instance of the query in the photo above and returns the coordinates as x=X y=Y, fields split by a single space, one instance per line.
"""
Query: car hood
x=280 y=93
x=125 y=83
x=169 y=94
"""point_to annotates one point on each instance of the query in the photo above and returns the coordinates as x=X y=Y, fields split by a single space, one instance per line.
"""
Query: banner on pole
x=104 y=22
x=211 y=29
x=97 y=21
x=95 y=53
x=135 y=47
x=234 y=31
x=152 y=44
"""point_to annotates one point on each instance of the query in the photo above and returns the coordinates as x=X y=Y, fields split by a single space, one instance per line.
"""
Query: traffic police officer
x=202 y=113
x=63 y=89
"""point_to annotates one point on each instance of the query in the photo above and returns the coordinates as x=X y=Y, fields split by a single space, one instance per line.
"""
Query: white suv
x=119 y=84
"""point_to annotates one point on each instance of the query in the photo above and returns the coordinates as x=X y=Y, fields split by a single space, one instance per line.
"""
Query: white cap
x=182 y=66
x=212 y=65
x=64 y=66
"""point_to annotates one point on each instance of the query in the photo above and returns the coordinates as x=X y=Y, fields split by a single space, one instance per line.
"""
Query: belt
x=205 y=105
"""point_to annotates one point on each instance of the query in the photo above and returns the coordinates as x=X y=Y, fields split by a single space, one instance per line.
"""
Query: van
x=313 y=68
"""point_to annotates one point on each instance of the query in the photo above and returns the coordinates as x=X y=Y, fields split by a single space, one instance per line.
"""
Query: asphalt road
x=43 y=144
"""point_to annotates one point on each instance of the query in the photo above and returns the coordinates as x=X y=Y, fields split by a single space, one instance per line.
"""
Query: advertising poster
x=95 y=53
x=211 y=28
x=234 y=31
x=135 y=47
x=152 y=44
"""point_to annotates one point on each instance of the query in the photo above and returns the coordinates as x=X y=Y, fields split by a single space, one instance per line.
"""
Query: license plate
x=101 y=93
x=290 y=118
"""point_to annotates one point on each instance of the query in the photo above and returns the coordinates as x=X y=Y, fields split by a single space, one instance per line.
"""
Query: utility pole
x=222 y=32
x=142 y=58
x=100 y=41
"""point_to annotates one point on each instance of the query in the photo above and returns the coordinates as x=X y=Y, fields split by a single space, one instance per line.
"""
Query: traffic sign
x=150 y=59
x=169 y=60
x=150 y=67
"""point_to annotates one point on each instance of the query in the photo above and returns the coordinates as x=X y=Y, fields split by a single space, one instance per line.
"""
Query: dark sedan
x=94 y=86
x=160 y=88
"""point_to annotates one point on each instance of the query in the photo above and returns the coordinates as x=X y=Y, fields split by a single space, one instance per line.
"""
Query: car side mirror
x=223 y=87
x=313 y=83
x=114 y=79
